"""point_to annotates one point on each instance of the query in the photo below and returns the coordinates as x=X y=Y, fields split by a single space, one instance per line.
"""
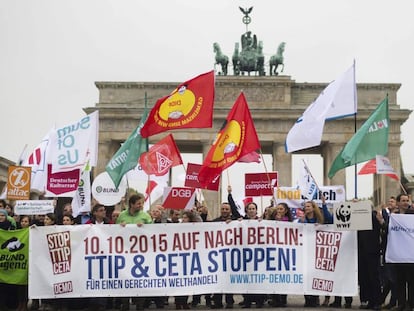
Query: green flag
x=371 y=139
x=14 y=256
x=126 y=158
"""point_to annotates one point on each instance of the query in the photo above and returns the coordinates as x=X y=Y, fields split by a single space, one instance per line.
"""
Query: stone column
x=106 y=149
x=390 y=187
x=329 y=153
x=282 y=163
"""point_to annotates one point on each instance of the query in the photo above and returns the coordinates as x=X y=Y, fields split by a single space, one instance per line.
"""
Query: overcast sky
x=52 y=51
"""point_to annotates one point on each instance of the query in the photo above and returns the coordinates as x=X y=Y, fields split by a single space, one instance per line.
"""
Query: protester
x=181 y=302
x=115 y=215
x=312 y=215
x=174 y=216
x=404 y=272
x=134 y=214
x=5 y=223
x=99 y=216
x=387 y=273
x=251 y=213
x=226 y=215
x=280 y=213
x=68 y=220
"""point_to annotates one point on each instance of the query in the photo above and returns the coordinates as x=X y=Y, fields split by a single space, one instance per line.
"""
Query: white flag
x=306 y=183
x=37 y=160
x=82 y=200
x=384 y=167
x=337 y=100
x=73 y=145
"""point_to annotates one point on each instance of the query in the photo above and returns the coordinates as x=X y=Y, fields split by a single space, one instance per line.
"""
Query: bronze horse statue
x=236 y=59
x=277 y=59
x=221 y=59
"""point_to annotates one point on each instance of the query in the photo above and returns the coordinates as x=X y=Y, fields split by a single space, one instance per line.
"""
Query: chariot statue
x=250 y=58
x=248 y=54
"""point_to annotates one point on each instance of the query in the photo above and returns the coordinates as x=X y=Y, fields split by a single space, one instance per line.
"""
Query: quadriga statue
x=251 y=58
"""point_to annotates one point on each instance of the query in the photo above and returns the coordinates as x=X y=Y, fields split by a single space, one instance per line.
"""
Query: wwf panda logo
x=343 y=213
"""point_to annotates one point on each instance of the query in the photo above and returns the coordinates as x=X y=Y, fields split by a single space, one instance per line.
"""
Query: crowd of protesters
x=382 y=285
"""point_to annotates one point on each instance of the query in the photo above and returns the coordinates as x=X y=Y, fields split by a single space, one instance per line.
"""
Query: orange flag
x=236 y=138
x=161 y=157
x=190 y=105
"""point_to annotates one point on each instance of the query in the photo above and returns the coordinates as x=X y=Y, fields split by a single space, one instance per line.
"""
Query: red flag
x=191 y=178
x=371 y=168
x=236 y=138
x=161 y=157
x=190 y=105
x=250 y=157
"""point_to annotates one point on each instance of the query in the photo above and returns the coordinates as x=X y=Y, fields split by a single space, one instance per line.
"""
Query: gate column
x=282 y=162
x=329 y=153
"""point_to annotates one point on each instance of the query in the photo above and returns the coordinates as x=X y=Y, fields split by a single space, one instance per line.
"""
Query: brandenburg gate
x=275 y=103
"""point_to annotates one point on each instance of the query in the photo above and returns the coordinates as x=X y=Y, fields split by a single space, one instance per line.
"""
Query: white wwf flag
x=73 y=145
x=82 y=200
x=306 y=183
x=384 y=167
x=337 y=100
x=37 y=160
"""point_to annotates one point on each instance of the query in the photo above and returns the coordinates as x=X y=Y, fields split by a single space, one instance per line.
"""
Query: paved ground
x=294 y=302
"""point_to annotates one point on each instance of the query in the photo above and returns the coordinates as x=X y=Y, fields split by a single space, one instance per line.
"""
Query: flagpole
x=267 y=174
x=228 y=177
x=355 y=130
x=355 y=166
x=378 y=192
x=146 y=159
x=127 y=189
x=20 y=159
x=310 y=173
x=402 y=187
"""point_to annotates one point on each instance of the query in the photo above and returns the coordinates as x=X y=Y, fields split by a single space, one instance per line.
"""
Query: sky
x=53 y=52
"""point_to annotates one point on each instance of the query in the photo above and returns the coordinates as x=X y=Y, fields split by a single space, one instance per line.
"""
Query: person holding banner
x=181 y=302
x=8 y=292
x=387 y=274
x=137 y=216
x=280 y=213
x=98 y=216
x=5 y=223
x=369 y=252
x=312 y=215
x=250 y=214
x=226 y=215
x=135 y=213
x=404 y=271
